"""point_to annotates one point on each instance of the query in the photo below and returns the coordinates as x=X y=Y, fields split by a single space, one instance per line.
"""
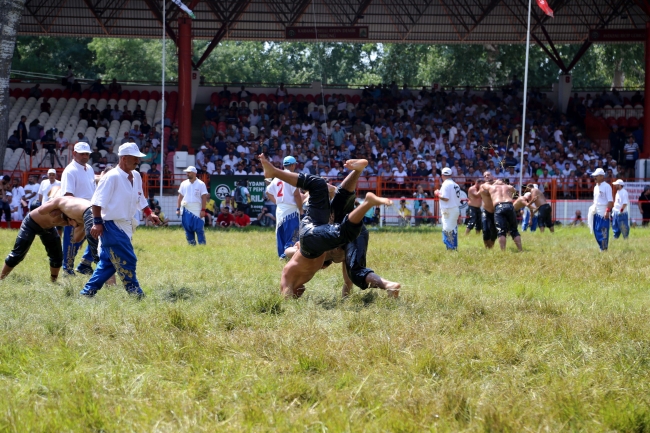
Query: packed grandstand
x=408 y=135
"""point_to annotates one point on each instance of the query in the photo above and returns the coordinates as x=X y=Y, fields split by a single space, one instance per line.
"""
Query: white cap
x=203 y=148
x=82 y=147
x=8 y=193
x=130 y=149
x=51 y=171
x=315 y=158
x=446 y=171
x=190 y=169
x=598 y=172
x=619 y=182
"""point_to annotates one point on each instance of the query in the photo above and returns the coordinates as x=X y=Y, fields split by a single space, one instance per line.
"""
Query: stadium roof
x=408 y=21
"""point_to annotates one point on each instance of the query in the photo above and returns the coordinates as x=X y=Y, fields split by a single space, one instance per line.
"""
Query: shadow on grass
x=178 y=294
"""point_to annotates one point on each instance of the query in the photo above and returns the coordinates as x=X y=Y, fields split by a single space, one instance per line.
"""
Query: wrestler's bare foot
x=376 y=201
x=356 y=164
x=346 y=291
x=392 y=288
x=267 y=166
x=111 y=281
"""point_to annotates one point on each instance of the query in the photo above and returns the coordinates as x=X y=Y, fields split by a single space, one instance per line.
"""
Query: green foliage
x=134 y=59
x=332 y=62
x=50 y=55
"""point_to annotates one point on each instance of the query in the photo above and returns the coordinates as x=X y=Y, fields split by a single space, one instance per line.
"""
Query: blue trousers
x=193 y=226
x=450 y=239
x=620 y=225
x=529 y=222
x=286 y=234
x=117 y=255
x=70 y=249
x=601 y=231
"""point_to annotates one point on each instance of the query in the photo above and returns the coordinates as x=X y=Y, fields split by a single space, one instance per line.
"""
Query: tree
x=48 y=55
x=10 y=13
x=133 y=59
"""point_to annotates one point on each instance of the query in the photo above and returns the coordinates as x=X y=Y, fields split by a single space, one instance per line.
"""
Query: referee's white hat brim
x=598 y=172
x=130 y=149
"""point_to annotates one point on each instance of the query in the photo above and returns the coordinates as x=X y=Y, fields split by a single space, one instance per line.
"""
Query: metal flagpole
x=162 y=124
x=523 y=116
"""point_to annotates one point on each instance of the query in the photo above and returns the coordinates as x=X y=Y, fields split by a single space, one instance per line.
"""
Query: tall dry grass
x=553 y=339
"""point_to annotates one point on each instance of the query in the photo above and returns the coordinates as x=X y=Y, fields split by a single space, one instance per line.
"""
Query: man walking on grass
x=77 y=180
x=620 y=219
x=449 y=195
x=118 y=197
x=600 y=211
x=192 y=198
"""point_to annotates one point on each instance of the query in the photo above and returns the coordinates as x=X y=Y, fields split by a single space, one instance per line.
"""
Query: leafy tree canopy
x=332 y=62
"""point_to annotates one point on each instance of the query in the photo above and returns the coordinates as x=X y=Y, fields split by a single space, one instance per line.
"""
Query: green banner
x=223 y=186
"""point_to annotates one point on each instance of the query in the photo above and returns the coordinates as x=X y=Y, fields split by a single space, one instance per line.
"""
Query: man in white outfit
x=620 y=219
x=289 y=202
x=118 y=197
x=601 y=209
x=77 y=180
x=449 y=195
x=49 y=187
x=192 y=198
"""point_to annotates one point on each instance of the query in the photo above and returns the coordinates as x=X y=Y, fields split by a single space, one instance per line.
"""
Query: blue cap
x=289 y=160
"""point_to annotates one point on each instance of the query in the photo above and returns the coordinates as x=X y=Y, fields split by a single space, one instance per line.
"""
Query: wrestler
x=544 y=211
x=317 y=235
x=505 y=218
x=42 y=222
x=487 y=215
x=474 y=202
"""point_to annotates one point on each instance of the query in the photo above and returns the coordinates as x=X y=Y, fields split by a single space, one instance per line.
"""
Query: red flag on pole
x=543 y=4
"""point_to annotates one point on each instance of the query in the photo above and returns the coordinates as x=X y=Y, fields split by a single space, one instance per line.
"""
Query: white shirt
x=32 y=188
x=193 y=192
x=45 y=188
x=451 y=191
x=621 y=199
x=602 y=194
x=240 y=173
x=119 y=199
x=77 y=181
x=282 y=191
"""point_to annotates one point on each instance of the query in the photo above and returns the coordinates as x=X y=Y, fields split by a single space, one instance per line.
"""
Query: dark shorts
x=505 y=220
x=544 y=218
x=489 y=228
x=355 y=260
x=92 y=242
x=474 y=220
x=317 y=236
x=28 y=231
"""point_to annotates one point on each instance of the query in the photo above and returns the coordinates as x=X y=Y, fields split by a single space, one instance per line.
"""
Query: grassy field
x=556 y=338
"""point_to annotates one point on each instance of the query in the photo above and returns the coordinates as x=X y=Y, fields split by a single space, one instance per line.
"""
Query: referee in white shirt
x=449 y=195
x=620 y=219
x=289 y=202
x=77 y=180
x=192 y=198
x=601 y=209
x=118 y=197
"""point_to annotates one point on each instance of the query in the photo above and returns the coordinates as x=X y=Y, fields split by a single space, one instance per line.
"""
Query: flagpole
x=523 y=116
x=162 y=124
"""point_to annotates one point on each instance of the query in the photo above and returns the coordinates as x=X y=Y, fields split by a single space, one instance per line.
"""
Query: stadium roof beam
x=388 y=21
x=98 y=10
x=229 y=17
x=157 y=13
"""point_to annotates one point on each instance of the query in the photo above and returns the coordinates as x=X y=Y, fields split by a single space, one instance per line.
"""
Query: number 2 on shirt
x=281 y=186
